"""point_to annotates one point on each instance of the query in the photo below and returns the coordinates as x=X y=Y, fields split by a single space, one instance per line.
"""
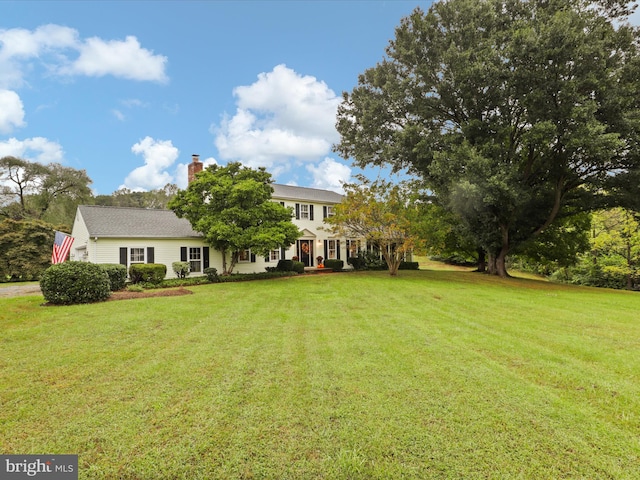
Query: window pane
x=194 y=259
x=304 y=211
x=332 y=249
x=137 y=255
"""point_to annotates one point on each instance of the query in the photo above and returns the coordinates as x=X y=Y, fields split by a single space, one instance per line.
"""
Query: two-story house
x=137 y=235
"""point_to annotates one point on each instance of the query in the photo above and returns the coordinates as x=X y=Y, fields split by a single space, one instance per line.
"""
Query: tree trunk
x=482 y=261
x=501 y=259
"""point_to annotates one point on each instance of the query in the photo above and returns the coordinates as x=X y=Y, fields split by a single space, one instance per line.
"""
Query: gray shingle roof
x=134 y=222
x=313 y=195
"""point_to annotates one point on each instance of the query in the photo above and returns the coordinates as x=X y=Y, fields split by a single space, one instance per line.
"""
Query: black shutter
x=338 y=249
x=310 y=212
x=183 y=254
x=253 y=258
x=282 y=253
x=123 y=256
x=151 y=255
x=282 y=203
x=297 y=211
x=205 y=257
x=326 y=249
x=324 y=211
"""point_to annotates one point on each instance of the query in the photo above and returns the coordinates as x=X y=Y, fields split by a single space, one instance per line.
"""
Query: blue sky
x=129 y=90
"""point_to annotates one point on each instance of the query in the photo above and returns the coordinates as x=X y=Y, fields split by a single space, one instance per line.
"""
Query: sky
x=129 y=90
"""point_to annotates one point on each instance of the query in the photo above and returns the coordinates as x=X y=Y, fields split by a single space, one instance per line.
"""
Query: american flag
x=61 y=247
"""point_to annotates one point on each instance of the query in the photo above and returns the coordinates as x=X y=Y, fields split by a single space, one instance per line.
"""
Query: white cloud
x=37 y=149
x=11 y=111
x=280 y=117
x=123 y=59
x=330 y=175
x=118 y=114
x=158 y=156
x=53 y=47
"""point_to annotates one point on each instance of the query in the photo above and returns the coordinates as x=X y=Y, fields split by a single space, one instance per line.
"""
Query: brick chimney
x=194 y=167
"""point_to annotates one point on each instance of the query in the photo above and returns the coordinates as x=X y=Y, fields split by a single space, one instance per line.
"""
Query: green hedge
x=334 y=264
x=409 y=266
x=75 y=282
x=298 y=267
x=117 y=275
x=147 y=272
x=285 y=266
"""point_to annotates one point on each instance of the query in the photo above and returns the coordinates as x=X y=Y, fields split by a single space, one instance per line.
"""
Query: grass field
x=434 y=374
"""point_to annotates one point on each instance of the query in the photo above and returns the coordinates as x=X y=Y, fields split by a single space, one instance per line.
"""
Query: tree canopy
x=381 y=213
x=231 y=206
x=514 y=113
x=31 y=190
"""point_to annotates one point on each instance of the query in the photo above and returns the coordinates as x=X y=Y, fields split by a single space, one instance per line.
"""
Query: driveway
x=19 y=290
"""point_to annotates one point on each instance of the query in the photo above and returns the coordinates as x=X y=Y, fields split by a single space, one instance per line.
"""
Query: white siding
x=80 y=248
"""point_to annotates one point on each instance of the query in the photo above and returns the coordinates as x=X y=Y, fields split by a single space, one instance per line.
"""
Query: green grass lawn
x=434 y=374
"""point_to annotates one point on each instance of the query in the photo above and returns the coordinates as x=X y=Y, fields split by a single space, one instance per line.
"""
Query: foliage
x=181 y=269
x=381 y=213
x=231 y=206
x=212 y=274
x=117 y=275
x=409 y=266
x=46 y=192
x=285 y=265
x=75 y=282
x=358 y=262
x=559 y=246
x=147 y=272
x=613 y=254
x=334 y=264
x=124 y=197
x=515 y=114
x=25 y=249
x=297 y=267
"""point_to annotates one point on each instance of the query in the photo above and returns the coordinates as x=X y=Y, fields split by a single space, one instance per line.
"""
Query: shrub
x=335 y=264
x=181 y=269
x=409 y=266
x=212 y=274
x=147 y=272
x=358 y=263
x=298 y=267
x=75 y=282
x=117 y=275
x=285 y=266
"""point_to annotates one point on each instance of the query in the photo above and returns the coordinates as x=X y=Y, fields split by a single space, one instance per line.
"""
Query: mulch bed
x=160 y=292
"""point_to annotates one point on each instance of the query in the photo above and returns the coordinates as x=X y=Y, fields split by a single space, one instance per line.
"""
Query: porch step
x=317 y=270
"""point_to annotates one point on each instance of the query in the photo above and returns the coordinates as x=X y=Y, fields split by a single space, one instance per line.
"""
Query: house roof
x=134 y=222
x=128 y=222
x=290 y=192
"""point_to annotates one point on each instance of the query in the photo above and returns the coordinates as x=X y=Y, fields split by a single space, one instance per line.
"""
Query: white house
x=137 y=235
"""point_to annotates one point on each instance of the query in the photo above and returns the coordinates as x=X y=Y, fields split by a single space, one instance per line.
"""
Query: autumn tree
x=231 y=206
x=380 y=212
x=515 y=113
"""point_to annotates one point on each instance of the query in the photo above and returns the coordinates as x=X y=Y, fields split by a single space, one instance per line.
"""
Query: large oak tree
x=514 y=112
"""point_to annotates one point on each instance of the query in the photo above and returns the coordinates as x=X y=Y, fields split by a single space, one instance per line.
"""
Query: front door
x=305 y=252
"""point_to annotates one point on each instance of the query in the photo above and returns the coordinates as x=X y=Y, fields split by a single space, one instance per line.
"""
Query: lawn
x=434 y=374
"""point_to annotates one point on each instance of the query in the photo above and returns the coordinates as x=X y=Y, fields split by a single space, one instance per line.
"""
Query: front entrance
x=305 y=252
